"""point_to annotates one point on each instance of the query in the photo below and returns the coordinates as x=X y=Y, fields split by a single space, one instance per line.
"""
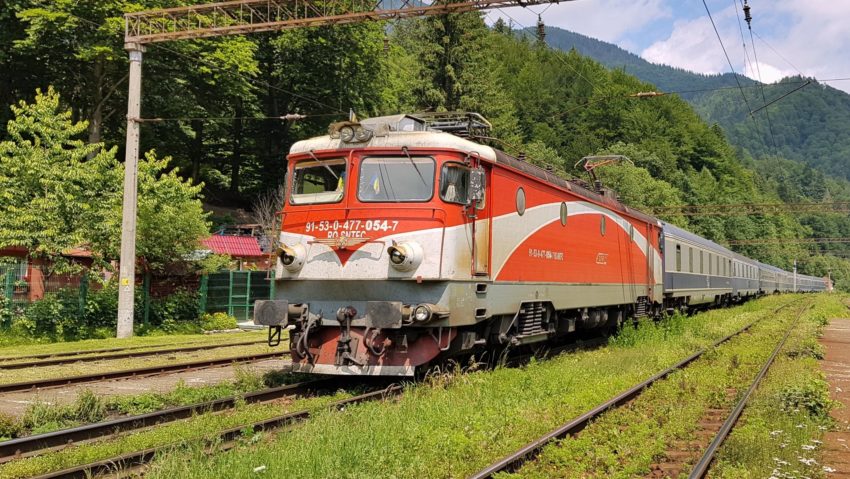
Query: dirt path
x=836 y=366
x=16 y=403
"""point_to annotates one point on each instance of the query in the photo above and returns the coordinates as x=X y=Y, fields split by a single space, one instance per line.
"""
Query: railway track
x=121 y=355
x=134 y=373
x=96 y=351
x=41 y=443
x=134 y=462
x=530 y=451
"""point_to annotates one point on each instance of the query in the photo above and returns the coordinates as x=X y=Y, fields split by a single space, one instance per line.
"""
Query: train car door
x=479 y=217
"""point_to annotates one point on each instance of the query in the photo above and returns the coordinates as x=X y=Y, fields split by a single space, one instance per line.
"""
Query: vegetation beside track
x=456 y=424
x=780 y=431
x=9 y=353
x=195 y=429
x=626 y=442
x=41 y=417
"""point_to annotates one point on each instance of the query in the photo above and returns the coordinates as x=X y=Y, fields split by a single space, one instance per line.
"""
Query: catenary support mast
x=239 y=17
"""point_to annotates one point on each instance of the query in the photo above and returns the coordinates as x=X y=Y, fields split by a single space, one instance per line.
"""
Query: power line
x=776 y=52
x=716 y=32
x=758 y=70
x=760 y=241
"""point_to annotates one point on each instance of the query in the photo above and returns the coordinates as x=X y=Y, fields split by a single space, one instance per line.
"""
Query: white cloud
x=607 y=20
x=693 y=44
x=768 y=73
x=811 y=35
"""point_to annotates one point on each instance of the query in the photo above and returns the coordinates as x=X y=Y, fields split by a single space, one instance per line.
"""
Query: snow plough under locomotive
x=404 y=242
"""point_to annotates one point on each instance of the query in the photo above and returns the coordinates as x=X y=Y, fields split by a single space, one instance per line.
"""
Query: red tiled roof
x=238 y=246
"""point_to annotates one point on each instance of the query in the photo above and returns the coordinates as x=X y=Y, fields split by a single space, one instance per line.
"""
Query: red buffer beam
x=248 y=16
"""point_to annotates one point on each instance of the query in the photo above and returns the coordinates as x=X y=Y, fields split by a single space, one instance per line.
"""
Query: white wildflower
x=259 y=468
x=807 y=447
x=828 y=469
x=808 y=462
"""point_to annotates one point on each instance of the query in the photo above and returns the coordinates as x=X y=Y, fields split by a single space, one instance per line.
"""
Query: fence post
x=202 y=294
x=84 y=293
x=9 y=289
x=271 y=285
x=230 y=294
x=146 y=294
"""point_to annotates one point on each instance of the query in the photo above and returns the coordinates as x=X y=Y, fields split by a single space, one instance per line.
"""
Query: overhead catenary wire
x=758 y=71
x=726 y=54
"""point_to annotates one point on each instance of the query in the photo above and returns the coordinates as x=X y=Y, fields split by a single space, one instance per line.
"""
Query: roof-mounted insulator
x=386 y=44
x=293 y=117
x=747 y=15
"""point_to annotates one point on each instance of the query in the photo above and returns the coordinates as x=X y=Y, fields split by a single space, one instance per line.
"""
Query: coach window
x=717 y=265
x=702 y=261
x=396 y=179
x=320 y=181
x=690 y=259
x=729 y=266
x=710 y=268
x=678 y=257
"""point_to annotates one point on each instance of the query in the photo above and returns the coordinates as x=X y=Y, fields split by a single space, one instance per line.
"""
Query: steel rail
x=40 y=443
x=513 y=461
x=701 y=468
x=98 y=351
x=136 y=459
x=131 y=373
x=121 y=355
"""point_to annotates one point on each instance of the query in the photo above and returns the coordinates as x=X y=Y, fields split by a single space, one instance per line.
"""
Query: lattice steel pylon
x=238 y=17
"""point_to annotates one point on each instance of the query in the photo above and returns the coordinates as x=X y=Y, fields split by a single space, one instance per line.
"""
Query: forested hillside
x=218 y=103
x=811 y=126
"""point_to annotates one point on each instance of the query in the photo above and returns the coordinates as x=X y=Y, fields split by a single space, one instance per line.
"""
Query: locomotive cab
x=381 y=221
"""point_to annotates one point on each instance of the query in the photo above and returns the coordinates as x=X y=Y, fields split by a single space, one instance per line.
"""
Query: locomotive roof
x=387 y=135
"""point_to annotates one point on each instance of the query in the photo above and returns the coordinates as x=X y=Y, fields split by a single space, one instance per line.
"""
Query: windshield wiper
x=321 y=162
x=404 y=149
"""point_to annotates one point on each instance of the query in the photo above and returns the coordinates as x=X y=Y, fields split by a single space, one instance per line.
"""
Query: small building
x=245 y=250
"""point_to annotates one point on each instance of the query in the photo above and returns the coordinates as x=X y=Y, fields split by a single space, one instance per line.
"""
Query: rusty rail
x=120 y=355
x=701 y=468
x=515 y=460
x=40 y=443
x=131 y=373
x=139 y=458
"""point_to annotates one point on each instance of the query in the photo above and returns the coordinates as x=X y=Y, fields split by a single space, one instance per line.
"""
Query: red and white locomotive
x=404 y=242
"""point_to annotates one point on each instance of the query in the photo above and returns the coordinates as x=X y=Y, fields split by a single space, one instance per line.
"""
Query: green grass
x=627 y=441
x=194 y=429
x=41 y=417
x=780 y=431
x=10 y=352
x=455 y=426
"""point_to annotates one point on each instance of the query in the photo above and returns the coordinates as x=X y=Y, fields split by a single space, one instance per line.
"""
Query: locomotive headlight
x=346 y=134
x=292 y=257
x=362 y=134
x=406 y=256
x=421 y=313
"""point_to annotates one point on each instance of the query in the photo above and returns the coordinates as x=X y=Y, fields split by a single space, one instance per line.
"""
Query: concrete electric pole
x=127 y=268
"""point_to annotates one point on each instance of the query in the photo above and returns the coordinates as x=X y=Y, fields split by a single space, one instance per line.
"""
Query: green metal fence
x=234 y=292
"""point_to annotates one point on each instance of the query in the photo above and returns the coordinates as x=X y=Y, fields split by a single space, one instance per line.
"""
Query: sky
x=811 y=37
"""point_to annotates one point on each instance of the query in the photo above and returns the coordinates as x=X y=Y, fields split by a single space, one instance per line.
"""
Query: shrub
x=9 y=427
x=218 y=321
x=811 y=397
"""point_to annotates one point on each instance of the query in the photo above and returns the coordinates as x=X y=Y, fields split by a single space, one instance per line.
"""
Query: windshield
x=396 y=179
x=318 y=182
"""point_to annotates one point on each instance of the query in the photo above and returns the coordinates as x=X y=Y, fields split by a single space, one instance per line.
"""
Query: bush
x=218 y=322
x=811 y=397
x=9 y=427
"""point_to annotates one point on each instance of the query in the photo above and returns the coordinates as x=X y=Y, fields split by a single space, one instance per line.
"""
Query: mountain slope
x=811 y=126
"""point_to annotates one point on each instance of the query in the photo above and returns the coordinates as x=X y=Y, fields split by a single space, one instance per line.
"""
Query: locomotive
x=405 y=242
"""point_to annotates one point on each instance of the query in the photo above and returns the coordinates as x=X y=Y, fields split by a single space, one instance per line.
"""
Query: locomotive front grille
x=531 y=318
